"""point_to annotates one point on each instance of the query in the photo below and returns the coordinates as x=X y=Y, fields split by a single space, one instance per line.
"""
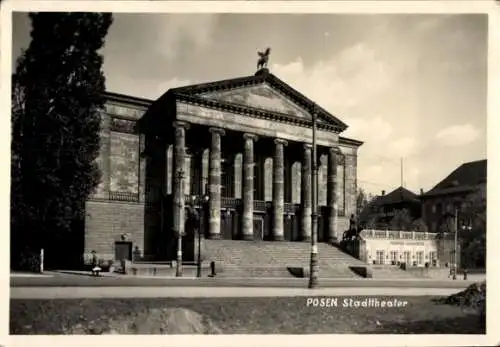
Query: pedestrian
x=465 y=274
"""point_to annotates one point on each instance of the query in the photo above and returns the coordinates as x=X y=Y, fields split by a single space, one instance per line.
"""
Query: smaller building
x=453 y=193
x=390 y=247
x=384 y=207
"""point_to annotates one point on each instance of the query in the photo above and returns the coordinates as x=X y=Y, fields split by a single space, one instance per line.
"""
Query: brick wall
x=106 y=222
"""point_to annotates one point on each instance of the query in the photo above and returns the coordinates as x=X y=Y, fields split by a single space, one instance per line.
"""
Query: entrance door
x=123 y=250
x=258 y=228
x=226 y=224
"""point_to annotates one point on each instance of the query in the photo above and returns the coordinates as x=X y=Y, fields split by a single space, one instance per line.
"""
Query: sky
x=409 y=86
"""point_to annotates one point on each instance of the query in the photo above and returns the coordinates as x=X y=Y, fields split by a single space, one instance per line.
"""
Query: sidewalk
x=214 y=292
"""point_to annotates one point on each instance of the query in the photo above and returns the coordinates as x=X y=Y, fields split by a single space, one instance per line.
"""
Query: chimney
x=421 y=191
x=383 y=192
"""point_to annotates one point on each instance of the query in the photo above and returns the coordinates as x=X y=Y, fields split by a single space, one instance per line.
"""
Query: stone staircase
x=272 y=259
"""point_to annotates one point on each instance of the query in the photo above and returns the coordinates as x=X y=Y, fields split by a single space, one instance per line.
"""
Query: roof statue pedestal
x=262 y=71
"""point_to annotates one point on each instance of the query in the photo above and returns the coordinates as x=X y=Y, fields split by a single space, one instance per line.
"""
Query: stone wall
x=350 y=184
x=107 y=222
x=108 y=219
x=124 y=162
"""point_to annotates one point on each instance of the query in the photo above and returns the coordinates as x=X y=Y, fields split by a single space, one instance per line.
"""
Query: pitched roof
x=464 y=178
x=262 y=76
x=398 y=195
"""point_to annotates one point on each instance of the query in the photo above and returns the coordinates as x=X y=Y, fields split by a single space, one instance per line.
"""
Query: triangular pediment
x=263 y=92
x=263 y=97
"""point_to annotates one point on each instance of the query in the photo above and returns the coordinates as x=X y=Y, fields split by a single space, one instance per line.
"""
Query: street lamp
x=206 y=198
x=313 y=271
x=179 y=178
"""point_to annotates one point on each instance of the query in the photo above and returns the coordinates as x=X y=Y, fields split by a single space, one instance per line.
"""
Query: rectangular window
x=394 y=256
x=420 y=258
x=434 y=208
x=380 y=257
x=433 y=227
x=433 y=258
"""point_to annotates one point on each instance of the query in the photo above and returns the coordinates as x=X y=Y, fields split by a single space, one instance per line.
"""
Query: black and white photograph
x=248 y=172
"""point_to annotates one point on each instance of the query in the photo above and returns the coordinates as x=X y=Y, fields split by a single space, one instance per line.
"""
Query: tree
x=419 y=225
x=57 y=94
x=402 y=220
x=362 y=201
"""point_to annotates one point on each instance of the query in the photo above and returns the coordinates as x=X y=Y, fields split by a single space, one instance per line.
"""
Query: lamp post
x=206 y=198
x=466 y=227
x=179 y=177
x=313 y=271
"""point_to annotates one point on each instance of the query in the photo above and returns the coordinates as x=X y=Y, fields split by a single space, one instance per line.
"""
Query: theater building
x=238 y=150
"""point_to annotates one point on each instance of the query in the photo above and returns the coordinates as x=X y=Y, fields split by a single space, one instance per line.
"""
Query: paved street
x=159 y=292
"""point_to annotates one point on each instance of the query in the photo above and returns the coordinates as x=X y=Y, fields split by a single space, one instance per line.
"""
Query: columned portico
x=250 y=124
x=278 y=189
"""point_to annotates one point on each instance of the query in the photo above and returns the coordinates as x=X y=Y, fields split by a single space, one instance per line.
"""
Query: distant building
x=452 y=193
x=383 y=207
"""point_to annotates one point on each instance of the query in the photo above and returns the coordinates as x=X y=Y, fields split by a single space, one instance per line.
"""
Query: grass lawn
x=281 y=315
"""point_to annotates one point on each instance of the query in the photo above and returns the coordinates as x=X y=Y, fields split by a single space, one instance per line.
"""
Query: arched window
x=268 y=179
x=296 y=182
x=238 y=175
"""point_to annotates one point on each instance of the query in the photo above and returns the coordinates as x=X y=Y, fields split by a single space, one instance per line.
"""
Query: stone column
x=248 y=187
x=306 y=198
x=331 y=196
x=278 y=190
x=214 y=183
x=178 y=186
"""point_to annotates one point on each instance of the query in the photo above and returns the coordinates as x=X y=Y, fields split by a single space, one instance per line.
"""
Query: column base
x=247 y=237
x=306 y=238
x=278 y=237
x=333 y=240
x=214 y=236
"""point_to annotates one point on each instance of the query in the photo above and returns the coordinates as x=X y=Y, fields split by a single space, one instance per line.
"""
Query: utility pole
x=313 y=272
x=402 y=182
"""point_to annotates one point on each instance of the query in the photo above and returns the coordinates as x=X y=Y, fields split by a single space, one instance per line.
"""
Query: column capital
x=335 y=150
x=219 y=131
x=249 y=136
x=181 y=124
x=307 y=146
x=280 y=142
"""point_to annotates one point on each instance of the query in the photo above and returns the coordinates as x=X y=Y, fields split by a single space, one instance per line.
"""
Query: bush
x=29 y=261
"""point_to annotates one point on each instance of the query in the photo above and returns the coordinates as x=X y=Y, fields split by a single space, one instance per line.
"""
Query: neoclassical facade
x=239 y=151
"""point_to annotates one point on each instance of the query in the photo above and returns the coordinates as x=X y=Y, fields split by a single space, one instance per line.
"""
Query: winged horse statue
x=263 y=58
